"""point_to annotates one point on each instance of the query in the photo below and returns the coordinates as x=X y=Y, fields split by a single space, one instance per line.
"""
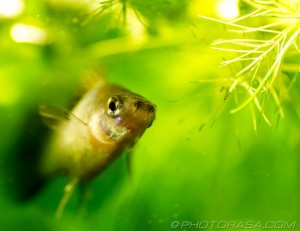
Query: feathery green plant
x=260 y=50
x=118 y=7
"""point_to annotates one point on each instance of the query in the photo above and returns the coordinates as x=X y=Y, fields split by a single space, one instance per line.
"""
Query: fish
x=107 y=121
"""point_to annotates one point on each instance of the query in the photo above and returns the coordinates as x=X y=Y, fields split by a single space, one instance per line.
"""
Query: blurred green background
x=197 y=162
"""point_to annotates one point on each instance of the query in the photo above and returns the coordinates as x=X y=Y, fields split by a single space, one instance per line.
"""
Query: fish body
x=107 y=121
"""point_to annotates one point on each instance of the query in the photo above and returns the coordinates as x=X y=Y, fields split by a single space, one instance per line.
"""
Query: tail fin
x=26 y=178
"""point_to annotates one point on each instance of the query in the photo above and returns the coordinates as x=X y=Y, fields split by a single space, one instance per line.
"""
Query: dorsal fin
x=91 y=78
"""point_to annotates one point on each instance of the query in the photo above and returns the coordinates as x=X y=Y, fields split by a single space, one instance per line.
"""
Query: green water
x=182 y=171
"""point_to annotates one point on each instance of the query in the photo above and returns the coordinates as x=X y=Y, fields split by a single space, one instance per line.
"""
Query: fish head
x=123 y=116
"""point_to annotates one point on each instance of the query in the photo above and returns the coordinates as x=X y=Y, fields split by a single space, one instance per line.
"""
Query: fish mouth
x=140 y=102
x=147 y=107
x=151 y=115
x=151 y=122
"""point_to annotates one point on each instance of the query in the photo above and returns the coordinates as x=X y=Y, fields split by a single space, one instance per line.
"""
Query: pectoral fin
x=54 y=115
x=68 y=191
x=84 y=194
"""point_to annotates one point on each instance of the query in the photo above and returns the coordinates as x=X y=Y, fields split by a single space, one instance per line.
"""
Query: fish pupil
x=112 y=106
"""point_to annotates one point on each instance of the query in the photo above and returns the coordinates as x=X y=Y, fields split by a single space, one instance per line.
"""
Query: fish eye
x=114 y=106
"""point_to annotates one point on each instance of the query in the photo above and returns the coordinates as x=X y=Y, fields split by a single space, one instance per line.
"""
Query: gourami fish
x=107 y=121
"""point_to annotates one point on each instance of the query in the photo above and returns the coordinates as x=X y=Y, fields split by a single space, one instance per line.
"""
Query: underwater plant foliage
x=200 y=160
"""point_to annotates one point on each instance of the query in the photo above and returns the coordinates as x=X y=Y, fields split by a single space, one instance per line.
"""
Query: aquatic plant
x=264 y=38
